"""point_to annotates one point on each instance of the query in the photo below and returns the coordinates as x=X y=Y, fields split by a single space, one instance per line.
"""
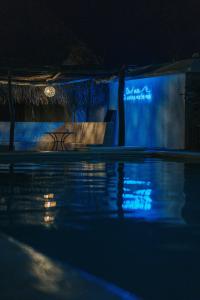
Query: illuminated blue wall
x=155 y=112
x=27 y=134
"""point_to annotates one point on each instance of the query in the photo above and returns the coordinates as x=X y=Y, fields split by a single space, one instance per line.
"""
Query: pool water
x=136 y=224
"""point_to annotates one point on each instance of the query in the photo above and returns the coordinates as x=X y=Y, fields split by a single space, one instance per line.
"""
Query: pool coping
x=99 y=153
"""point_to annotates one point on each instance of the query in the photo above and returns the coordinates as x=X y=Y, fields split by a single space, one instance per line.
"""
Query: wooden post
x=121 y=113
x=12 y=114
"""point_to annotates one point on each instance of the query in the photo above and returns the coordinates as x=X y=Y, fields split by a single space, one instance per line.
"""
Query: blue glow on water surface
x=91 y=188
x=138 y=203
x=135 y=224
x=139 y=199
x=134 y=196
x=139 y=182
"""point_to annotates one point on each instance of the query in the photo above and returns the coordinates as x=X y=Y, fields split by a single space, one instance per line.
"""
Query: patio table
x=56 y=140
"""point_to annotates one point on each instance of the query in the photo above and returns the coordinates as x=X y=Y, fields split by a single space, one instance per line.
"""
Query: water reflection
x=137 y=195
x=49 y=196
x=49 y=218
x=140 y=200
x=52 y=193
x=48 y=204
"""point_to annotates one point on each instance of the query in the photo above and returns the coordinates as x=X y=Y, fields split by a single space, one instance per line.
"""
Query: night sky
x=120 y=32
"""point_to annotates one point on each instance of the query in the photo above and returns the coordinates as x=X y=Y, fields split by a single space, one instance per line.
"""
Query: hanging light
x=50 y=91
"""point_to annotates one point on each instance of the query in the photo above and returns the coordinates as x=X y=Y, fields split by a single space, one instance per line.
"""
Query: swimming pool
x=135 y=224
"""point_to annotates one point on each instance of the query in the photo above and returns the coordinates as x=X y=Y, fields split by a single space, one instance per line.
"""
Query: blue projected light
x=136 y=94
x=142 y=103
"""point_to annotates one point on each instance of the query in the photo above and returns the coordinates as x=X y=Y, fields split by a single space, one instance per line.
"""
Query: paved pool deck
x=98 y=153
x=28 y=274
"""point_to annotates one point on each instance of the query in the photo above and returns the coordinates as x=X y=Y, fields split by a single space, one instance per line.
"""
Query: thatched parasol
x=76 y=87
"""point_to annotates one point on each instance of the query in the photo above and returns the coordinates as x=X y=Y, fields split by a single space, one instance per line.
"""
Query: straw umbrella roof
x=28 y=84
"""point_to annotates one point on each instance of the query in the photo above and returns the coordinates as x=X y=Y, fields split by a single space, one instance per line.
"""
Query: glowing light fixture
x=50 y=91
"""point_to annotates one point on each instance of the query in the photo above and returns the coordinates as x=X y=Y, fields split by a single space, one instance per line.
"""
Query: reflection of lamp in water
x=49 y=204
x=48 y=219
x=49 y=196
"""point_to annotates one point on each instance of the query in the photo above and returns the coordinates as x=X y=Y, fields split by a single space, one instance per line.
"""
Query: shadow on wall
x=87 y=133
x=34 y=136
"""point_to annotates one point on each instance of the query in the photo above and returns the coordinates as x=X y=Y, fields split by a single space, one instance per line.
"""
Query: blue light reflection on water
x=151 y=192
x=140 y=199
x=137 y=190
x=146 y=190
x=85 y=192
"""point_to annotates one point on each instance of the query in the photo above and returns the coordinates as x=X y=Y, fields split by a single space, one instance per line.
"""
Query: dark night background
x=131 y=32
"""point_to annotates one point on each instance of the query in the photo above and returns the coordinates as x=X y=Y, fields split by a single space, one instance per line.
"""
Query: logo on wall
x=143 y=95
